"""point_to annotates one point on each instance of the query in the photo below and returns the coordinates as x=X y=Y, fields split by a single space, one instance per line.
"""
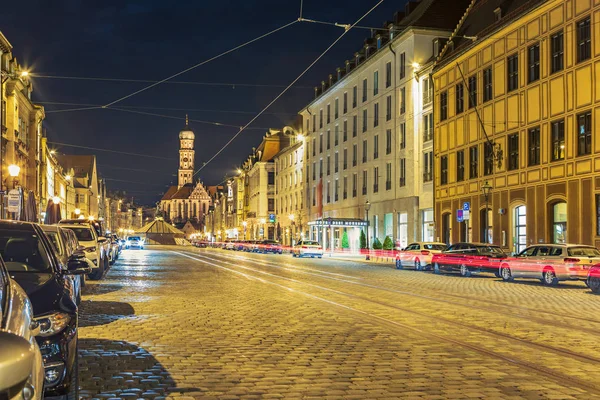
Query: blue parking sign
x=459 y=215
x=466 y=206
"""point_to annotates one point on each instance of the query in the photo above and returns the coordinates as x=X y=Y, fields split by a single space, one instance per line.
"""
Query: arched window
x=559 y=222
x=520 y=231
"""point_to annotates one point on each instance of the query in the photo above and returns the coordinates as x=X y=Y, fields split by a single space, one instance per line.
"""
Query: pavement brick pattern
x=215 y=324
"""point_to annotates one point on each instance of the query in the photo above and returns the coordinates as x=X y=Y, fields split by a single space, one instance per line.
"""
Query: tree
x=388 y=244
x=377 y=244
x=363 y=240
x=345 y=243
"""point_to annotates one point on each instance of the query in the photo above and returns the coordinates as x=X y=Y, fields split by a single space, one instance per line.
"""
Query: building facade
x=516 y=111
x=84 y=182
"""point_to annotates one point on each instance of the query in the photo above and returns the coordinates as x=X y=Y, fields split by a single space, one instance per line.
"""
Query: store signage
x=333 y=222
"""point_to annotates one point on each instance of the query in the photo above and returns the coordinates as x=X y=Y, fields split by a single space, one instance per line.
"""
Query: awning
x=339 y=222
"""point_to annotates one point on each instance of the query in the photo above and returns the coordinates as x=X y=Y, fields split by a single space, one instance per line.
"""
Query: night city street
x=209 y=323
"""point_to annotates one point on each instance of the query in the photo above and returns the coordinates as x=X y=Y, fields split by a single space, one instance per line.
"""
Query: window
x=314 y=171
x=533 y=63
x=376 y=180
x=428 y=127
x=364 y=96
x=403 y=172
x=443 y=106
x=557 y=48
x=354 y=155
x=584 y=133
x=598 y=215
x=388 y=141
x=314 y=147
x=402 y=65
x=375 y=147
x=472 y=91
x=402 y=135
x=354 y=125
x=428 y=166
x=488 y=91
x=336 y=109
x=533 y=146
x=364 y=158
x=328 y=165
x=354 y=184
x=354 y=96
x=402 y=100
x=364 y=185
x=513 y=72
x=584 y=40
x=336 y=135
x=336 y=188
x=557 y=140
x=376 y=114
x=488 y=158
x=427 y=91
x=345 y=166
x=320 y=143
x=321 y=168
x=388 y=176
x=271 y=204
x=513 y=151
x=388 y=74
x=559 y=223
x=345 y=103
x=388 y=108
x=460 y=166
x=336 y=162
x=375 y=83
x=473 y=162
x=460 y=98
x=328 y=139
x=320 y=118
x=271 y=177
x=520 y=221
x=345 y=192
x=365 y=116
x=328 y=192
x=328 y=113
x=403 y=229
x=443 y=170
x=314 y=122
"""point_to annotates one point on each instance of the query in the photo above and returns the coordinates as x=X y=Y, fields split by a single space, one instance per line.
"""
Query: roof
x=159 y=226
x=184 y=192
x=169 y=193
x=436 y=14
x=481 y=22
x=82 y=165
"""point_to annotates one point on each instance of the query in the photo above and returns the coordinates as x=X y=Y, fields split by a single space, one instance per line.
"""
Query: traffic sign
x=272 y=219
x=14 y=201
x=466 y=215
x=466 y=206
x=459 y=215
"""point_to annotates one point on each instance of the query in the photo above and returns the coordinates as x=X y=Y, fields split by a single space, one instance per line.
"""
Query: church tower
x=186 y=155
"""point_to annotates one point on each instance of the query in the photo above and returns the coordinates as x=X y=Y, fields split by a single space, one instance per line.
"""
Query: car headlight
x=53 y=323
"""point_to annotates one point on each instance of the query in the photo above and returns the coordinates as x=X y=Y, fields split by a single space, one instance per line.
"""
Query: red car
x=593 y=279
x=467 y=258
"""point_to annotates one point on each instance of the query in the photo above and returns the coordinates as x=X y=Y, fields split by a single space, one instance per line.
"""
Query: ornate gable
x=199 y=193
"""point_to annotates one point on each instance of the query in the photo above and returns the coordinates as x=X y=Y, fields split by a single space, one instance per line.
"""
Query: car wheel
x=549 y=277
x=436 y=269
x=294 y=255
x=594 y=283
x=505 y=273
x=74 y=384
x=98 y=273
x=398 y=264
x=464 y=271
x=418 y=266
x=320 y=256
x=106 y=265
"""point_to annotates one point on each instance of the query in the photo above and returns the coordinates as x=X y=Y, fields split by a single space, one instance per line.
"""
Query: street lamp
x=367 y=208
x=245 y=224
x=486 y=189
x=263 y=222
x=13 y=171
x=292 y=217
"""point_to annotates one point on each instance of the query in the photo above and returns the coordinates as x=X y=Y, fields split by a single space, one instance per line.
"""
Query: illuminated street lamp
x=367 y=208
x=77 y=211
x=13 y=171
x=486 y=189
x=56 y=200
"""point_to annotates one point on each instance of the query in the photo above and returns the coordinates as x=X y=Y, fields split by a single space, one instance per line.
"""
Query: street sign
x=14 y=200
x=466 y=215
x=271 y=218
x=459 y=215
x=466 y=206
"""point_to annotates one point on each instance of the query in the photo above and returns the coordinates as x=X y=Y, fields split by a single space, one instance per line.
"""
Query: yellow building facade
x=517 y=107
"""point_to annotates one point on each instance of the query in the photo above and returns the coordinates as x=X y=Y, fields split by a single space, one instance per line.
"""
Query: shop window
x=559 y=222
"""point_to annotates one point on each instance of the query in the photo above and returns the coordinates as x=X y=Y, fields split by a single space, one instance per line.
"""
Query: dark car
x=469 y=257
x=31 y=262
x=593 y=280
x=270 y=246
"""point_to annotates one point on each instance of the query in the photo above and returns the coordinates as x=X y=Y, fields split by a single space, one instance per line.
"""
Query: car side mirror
x=16 y=361
x=77 y=266
x=101 y=239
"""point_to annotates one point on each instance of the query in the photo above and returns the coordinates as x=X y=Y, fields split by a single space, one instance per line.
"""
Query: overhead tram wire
x=199 y=64
x=110 y=151
x=286 y=89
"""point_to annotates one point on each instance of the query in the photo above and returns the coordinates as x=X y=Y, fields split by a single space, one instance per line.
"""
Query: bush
x=363 y=240
x=377 y=244
x=345 y=243
x=388 y=244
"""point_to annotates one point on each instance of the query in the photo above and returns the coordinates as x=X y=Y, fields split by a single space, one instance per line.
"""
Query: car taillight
x=319 y=248
x=571 y=260
x=305 y=247
x=425 y=252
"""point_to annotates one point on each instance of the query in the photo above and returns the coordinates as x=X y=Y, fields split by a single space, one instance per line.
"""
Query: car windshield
x=83 y=234
x=434 y=246
x=53 y=236
x=583 y=251
x=310 y=243
x=23 y=251
x=133 y=238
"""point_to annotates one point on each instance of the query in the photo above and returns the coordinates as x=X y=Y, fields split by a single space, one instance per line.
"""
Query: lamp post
x=245 y=224
x=292 y=217
x=486 y=189
x=367 y=208
x=13 y=171
x=263 y=222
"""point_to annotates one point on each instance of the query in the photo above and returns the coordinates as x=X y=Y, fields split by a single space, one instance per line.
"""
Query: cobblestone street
x=182 y=322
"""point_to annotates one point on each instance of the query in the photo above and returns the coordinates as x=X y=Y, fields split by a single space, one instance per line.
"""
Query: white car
x=307 y=248
x=134 y=242
x=95 y=247
x=418 y=255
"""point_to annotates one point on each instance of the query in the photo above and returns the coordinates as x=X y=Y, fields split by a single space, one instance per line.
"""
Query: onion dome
x=186 y=132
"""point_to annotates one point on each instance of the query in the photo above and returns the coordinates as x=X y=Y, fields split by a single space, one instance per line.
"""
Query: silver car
x=418 y=255
x=21 y=365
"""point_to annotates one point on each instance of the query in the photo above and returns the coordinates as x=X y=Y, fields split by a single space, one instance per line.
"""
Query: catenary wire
x=200 y=64
x=285 y=90
x=109 y=151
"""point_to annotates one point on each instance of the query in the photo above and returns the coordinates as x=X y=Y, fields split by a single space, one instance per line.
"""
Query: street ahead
x=210 y=323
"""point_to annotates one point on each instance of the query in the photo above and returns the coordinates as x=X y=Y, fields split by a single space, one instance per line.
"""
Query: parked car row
x=254 y=246
x=549 y=263
x=42 y=271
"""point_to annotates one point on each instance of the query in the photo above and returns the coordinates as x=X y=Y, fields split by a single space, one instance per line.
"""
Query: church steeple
x=186 y=155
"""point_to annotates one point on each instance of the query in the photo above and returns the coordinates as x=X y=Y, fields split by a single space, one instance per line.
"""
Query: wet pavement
x=180 y=322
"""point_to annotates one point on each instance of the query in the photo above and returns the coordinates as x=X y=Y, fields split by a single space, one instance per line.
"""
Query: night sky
x=151 y=40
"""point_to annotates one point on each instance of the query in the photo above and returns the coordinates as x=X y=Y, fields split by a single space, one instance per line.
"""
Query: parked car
x=468 y=258
x=134 y=242
x=418 y=255
x=307 y=248
x=239 y=245
x=593 y=278
x=270 y=246
x=21 y=365
x=551 y=263
x=249 y=245
x=95 y=247
x=31 y=261
x=229 y=245
x=202 y=244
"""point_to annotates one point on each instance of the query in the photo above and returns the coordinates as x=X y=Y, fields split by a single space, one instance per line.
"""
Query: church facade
x=188 y=201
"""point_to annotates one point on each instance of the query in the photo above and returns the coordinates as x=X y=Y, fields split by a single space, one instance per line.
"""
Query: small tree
x=388 y=244
x=377 y=244
x=363 y=240
x=345 y=243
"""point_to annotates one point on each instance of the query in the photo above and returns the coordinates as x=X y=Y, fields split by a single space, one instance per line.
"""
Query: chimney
x=410 y=7
x=348 y=66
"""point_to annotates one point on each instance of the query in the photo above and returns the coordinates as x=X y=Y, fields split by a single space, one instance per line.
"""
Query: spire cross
x=187 y=122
